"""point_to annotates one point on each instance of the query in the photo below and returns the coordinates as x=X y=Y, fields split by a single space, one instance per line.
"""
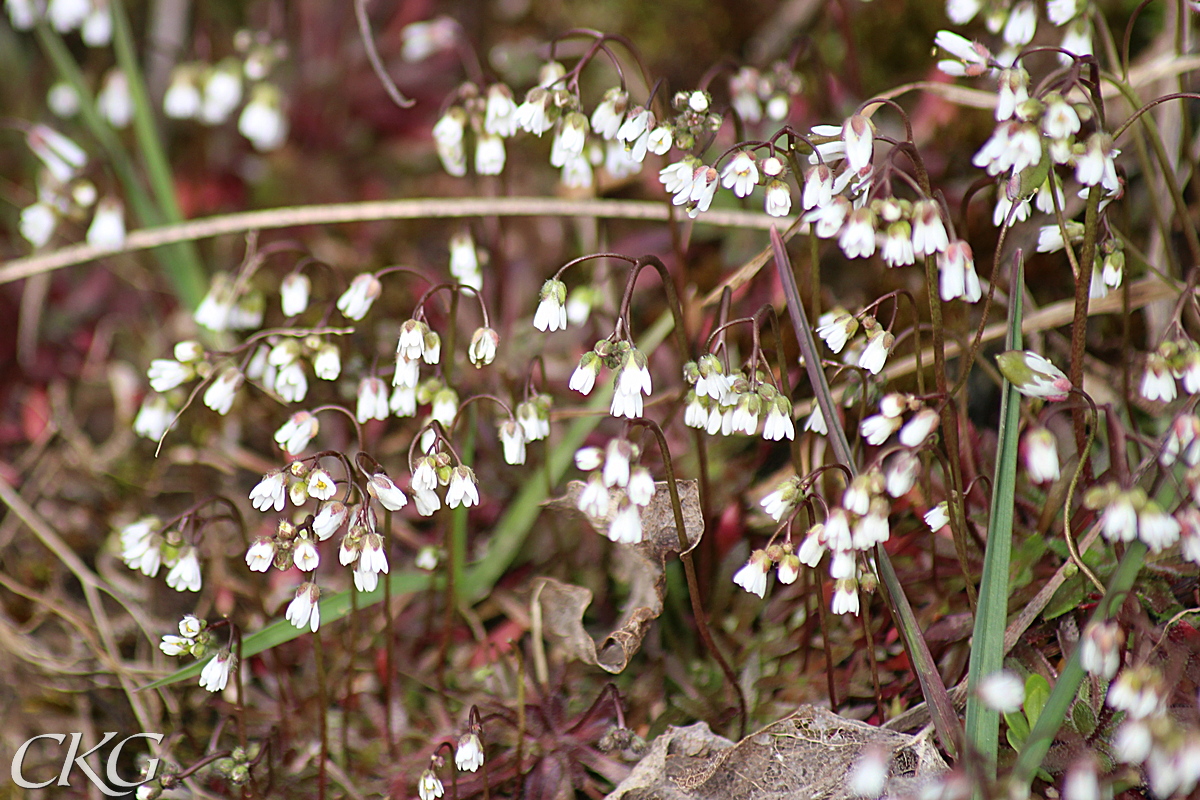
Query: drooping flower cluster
x=146 y=547
x=837 y=328
x=725 y=404
x=1128 y=514
x=913 y=432
x=617 y=489
x=438 y=469
x=195 y=639
x=632 y=376
x=1150 y=737
x=1174 y=360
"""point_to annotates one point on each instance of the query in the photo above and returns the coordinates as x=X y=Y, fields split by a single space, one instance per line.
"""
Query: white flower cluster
x=1128 y=514
x=837 y=327
x=92 y=18
x=632 y=487
x=194 y=639
x=63 y=194
x=632 y=380
x=145 y=547
x=210 y=93
x=913 y=432
x=755 y=94
x=435 y=470
x=1016 y=23
x=1150 y=737
x=725 y=404
x=1175 y=359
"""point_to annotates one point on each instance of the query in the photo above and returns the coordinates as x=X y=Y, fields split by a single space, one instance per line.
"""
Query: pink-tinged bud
x=1033 y=375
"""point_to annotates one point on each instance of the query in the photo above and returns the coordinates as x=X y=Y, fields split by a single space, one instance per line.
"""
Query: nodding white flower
x=782 y=500
x=327 y=363
x=917 y=429
x=1060 y=12
x=845 y=597
x=303 y=611
x=677 y=178
x=836 y=534
x=1158 y=381
x=1184 y=439
x=220 y=393
x=356 y=301
x=551 y=314
x=1013 y=146
x=857 y=496
x=1033 y=375
x=779 y=424
x=408 y=372
x=778 y=201
x=1050 y=237
x=1040 y=452
x=372 y=558
x=704 y=188
x=489 y=154
x=329 y=519
x=114 y=102
x=1014 y=91
x=444 y=407
x=632 y=382
x=1060 y=121
x=262 y=121
x=1081 y=781
x=746 y=413
x=836 y=329
x=424 y=477
x=166 y=373
x=500 y=115
x=869 y=773
x=1076 y=40
x=753 y=576
x=107 y=231
x=222 y=91
x=626 y=525
x=1137 y=691
x=429 y=787
x=641 y=487
x=928 y=232
x=1002 y=691
x=185 y=575
x=874 y=355
x=616 y=462
x=695 y=412
x=974 y=56
x=420 y=40
x=270 y=492
x=1099 y=649
x=320 y=484
x=372 y=400
x=58 y=153
x=1097 y=164
x=448 y=141
x=261 y=555
x=512 y=439
x=1004 y=206
x=828 y=219
x=593 y=500
x=463 y=489
x=464 y=262
x=182 y=99
x=1021 y=24
x=900 y=472
x=294 y=292
x=740 y=174
x=897 y=244
x=37 y=223
x=385 y=490
x=172 y=645
x=577 y=174
x=873 y=528
x=411 y=344
x=534 y=416
x=811 y=549
x=468 y=756
x=659 y=140
x=818 y=187
x=816 y=421
x=291 y=384
x=297 y=432
x=482 y=350
x=639 y=123
x=1132 y=741
x=305 y=555
x=364 y=580
x=857 y=238
x=610 y=113
x=426 y=502
x=215 y=675
x=569 y=139
x=427 y=557
x=938 y=517
x=1157 y=529
x=859 y=137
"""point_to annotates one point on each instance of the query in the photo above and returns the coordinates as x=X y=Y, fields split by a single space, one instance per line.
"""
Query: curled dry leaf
x=642 y=566
x=805 y=756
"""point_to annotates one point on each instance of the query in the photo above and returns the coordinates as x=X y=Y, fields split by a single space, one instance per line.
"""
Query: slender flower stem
x=323 y=707
x=1083 y=283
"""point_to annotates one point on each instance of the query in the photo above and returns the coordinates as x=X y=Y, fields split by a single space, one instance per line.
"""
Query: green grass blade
x=987 y=644
x=505 y=542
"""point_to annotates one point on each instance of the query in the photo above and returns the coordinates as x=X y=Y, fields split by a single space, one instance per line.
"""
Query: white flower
x=609 y=114
x=1033 y=375
x=463 y=489
x=114 y=102
x=512 y=439
x=551 y=312
x=836 y=329
x=261 y=555
x=373 y=557
x=1002 y=691
x=974 y=56
x=1021 y=24
x=1099 y=649
x=874 y=355
x=294 y=293
x=320 y=484
x=740 y=174
x=778 y=202
x=372 y=400
x=262 y=121
x=185 y=575
x=626 y=526
x=420 y=40
x=1014 y=90
x=107 y=231
x=753 y=575
x=616 y=463
x=782 y=500
x=295 y=434
x=860 y=141
x=305 y=555
x=291 y=384
x=427 y=558
x=220 y=393
x=917 y=429
x=426 y=502
x=182 y=99
x=704 y=188
x=818 y=187
x=1132 y=741
x=868 y=775
x=329 y=519
x=641 y=487
x=1060 y=12
x=37 y=223
x=928 y=231
x=215 y=675
x=222 y=92
x=500 y=115
x=938 y=517
x=569 y=139
x=1157 y=529
x=444 y=407
x=778 y=424
x=429 y=787
x=1013 y=146
x=468 y=756
x=845 y=597
x=327 y=363
x=190 y=626
x=677 y=179
x=1097 y=164
x=303 y=610
x=172 y=645
x=385 y=490
x=166 y=373
x=816 y=421
x=857 y=238
x=482 y=350
x=593 y=500
x=356 y=301
x=632 y=382
x=1136 y=691
x=900 y=473
x=408 y=373
x=827 y=220
x=1158 y=382
x=534 y=115
x=489 y=155
x=270 y=492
